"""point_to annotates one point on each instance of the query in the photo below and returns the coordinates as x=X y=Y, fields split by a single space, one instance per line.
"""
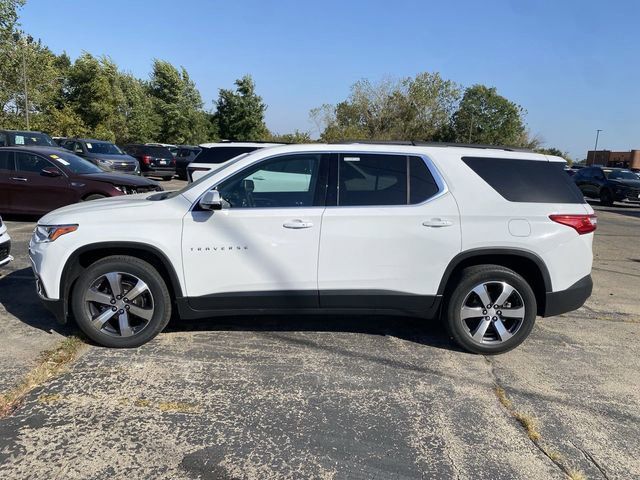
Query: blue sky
x=573 y=65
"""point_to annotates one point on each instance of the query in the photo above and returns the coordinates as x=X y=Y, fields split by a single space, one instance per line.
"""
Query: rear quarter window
x=530 y=181
x=221 y=154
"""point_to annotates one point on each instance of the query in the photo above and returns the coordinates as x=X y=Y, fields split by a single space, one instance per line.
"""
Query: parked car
x=184 y=156
x=15 y=138
x=608 y=184
x=5 y=245
x=486 y=238
x=104 y=154
x=36 y=180
x=169 y=146
x=154 y=161
x=213 y=154
x=59 y=140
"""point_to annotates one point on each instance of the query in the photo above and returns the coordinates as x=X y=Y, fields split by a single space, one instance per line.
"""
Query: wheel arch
x=524 y=262
x=84 y=256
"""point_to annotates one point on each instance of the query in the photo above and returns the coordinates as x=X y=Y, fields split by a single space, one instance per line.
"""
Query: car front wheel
x=491 y=310
x=121 y=301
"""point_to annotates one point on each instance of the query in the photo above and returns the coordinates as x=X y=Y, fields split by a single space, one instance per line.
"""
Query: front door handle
x=20 y=179
x=297 y=224
x=437 y=223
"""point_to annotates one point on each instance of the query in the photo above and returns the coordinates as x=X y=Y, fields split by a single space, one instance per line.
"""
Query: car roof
x=21 y=131
x=240 y=144
x=94 y=140
x=42 y=149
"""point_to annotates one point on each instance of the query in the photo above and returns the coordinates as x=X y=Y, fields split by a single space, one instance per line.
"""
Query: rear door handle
x=297 y=224
x=437 y=223
x=20 y=179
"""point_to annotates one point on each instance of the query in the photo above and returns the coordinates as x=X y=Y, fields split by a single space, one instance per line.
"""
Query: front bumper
x=5 y=252
x=557 y=303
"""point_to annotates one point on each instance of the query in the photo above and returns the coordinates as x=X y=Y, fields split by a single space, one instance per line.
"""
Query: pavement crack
x=590 y=459
x=529 y=424
x=453 y=464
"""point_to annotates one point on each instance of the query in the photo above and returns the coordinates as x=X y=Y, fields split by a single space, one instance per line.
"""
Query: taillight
x=580 y=223
x=146 y=159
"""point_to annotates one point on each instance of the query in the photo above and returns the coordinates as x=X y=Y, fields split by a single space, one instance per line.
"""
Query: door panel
x=6 y=171
x=32 y=192
x=261 y=250
x=381 y=250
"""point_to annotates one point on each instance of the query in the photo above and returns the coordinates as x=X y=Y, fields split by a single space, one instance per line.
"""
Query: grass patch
x=530 y=425
x=47 y=399
x=180 y=407
x=50 y=363
x=575 y=474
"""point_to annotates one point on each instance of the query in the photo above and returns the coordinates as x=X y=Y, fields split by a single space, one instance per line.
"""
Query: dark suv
x=36 y=180
x=19 y=138
x=184 y=156
x=154 y=161
x=104 y=154
x=608 y=184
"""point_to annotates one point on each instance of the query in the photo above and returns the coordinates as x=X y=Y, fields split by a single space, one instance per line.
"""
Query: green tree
x=178 y=105
x=240 y=112
x=417 y=108
x=488 y=118
x=9 y=16
x=556 y=152
x=295 y=137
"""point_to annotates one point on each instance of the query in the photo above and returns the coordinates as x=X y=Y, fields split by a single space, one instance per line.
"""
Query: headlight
x=50 y=233
x=108 y=163
x=123 y=189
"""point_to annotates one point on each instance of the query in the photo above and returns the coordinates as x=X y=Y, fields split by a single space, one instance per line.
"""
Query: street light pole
x=595 y=150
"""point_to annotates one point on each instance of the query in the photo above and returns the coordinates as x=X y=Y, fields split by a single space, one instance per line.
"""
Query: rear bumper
x=568 y=300
x=5 y=251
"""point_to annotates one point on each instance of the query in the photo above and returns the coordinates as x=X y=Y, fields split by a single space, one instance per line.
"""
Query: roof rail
x=418 y=143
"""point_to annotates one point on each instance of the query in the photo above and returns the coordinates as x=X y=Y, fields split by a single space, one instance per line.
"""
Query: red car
x=36 y=180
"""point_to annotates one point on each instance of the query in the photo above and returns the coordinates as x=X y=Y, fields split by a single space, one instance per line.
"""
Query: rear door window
x=529 y=181
x=369 y=179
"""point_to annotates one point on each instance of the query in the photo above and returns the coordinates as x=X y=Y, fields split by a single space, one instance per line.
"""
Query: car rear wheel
x=491 y=310
x=121 y=302
x=606 y=198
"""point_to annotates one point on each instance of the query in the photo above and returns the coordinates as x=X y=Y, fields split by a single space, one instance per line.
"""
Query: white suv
x=213 y=155
x=5 y=245
x=484 y=238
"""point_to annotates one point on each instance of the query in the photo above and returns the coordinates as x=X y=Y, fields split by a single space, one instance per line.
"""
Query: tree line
x=91 y=96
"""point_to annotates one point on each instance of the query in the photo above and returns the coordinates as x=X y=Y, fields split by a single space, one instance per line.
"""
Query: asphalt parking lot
x=334 y=397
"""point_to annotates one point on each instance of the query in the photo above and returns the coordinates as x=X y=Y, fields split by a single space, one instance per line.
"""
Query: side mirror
x=50 y=172
x=211 y=201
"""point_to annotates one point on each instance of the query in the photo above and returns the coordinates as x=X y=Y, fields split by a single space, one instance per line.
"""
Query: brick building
x=630 y=159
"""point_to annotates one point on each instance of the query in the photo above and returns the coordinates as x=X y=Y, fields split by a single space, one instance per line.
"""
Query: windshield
x=622 y=175
x=31 y=138
x=104 y=148
x=72 y=163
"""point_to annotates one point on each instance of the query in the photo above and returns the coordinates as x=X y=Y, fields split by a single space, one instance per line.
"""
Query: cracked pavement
x=333 y=397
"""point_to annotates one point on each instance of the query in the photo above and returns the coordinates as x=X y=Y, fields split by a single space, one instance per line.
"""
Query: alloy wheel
x=119 y=304
x=492 y=312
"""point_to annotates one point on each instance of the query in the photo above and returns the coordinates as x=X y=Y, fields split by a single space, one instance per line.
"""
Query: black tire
x=459 y=329
x=157 y=291
x=606 y=198
x=95 y=196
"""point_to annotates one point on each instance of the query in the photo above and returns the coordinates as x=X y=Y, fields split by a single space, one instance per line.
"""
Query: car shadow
x=19 y=298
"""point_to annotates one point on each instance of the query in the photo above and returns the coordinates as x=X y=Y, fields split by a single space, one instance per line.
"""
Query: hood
x=625 y=182
x=94 y=208
x=115 y=158
x=119 y=179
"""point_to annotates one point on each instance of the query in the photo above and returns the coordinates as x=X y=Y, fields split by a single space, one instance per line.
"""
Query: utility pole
x=470 y=129
x=24 y=80
x=595 y=149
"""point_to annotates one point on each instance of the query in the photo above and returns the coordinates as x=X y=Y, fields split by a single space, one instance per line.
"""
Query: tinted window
x=622 y=175
x=3 y=140
x=288 y=181
x=28 y=162
x=365 y=179
x=221 y=154
x=6 y=160
x=421 y=183
x=532 y=181
x=73 y=163
x=158 y=152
